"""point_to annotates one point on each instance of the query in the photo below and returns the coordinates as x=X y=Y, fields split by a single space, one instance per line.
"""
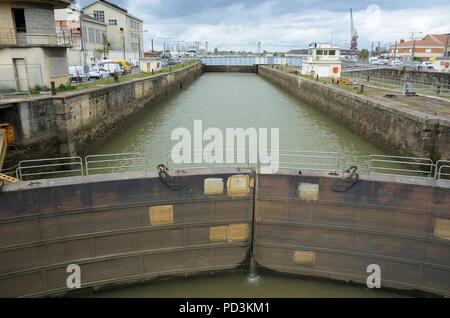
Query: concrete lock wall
x=130 y=227
x=75 y=123
x=394 y=130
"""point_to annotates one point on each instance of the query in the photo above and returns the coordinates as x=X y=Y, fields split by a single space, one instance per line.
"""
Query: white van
x=113 y=68
x=77 y=74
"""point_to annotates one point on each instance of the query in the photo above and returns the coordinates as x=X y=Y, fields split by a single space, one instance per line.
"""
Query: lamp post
x=164 y=43
x=139 y=43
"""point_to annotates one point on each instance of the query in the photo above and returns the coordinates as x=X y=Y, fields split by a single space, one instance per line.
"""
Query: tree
x=364 y=53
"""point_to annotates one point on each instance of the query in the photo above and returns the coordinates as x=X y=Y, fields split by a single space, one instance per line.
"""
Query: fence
x=427 y=88
x=237 y=158
x=20 y=78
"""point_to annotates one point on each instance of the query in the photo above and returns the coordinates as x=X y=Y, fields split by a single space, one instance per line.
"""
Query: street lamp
x=164 y=43
x=139 y=42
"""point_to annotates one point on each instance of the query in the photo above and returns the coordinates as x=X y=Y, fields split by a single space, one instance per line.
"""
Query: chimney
x=402 y=41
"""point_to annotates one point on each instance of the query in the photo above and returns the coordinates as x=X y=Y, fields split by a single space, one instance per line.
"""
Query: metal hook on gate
x=166 y=178
x=346 y=183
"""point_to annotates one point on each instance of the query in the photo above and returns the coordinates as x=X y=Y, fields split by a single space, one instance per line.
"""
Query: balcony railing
x=35 y=37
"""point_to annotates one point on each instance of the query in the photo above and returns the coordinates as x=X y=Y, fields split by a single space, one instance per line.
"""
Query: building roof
x=418 y=42
x=441 y=38
x=113 y=6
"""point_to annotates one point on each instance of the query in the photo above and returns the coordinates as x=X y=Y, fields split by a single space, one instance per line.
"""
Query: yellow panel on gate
x=238 y=185
x=304 y=258
x=308 y=191
x=442 y=228
x=161 y=214
x=213 y=186
x=237 y=232
x=218 y=233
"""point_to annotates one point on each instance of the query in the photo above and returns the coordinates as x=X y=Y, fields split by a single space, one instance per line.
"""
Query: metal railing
x=442 y=169
x=64 y=167
x=20 y=78
x=239 y=158
x=35 y=36
x=433 y=88
x=119 y=162
x=404 y=166
x=311 y=160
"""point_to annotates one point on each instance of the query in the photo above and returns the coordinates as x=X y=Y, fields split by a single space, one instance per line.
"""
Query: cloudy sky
x=285 y=24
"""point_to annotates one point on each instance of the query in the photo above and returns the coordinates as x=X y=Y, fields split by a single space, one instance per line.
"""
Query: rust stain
x=304 y=258
x=161 y=214
x=308 y=191
x=238 y=185
x=237 y=232
x=442 y=228
x=218 y=233
x=213 y=186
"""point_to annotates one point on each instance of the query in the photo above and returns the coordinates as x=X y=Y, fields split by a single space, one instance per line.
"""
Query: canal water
x=232 y=100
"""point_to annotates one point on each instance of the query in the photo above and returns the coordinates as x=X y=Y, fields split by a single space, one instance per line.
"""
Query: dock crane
x=353 y=35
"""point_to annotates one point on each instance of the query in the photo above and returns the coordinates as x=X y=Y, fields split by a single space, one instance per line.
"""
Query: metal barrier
x=404 y=166
x=50 y=166
x=35 y=36
x=430 y=88
x=442 y=165
x=229 y=158
x=20 y=78
x=119 y=162
x=311 y=160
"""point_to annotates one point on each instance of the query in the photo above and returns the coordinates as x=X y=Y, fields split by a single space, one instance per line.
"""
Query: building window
x=99 y=15
x=91 y=35
x=97 y=36
x=332 y=52
x=319 y=52
x=427 y=50
x=112 y=22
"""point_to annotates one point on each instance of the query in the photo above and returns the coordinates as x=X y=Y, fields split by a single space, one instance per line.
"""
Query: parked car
x=77 y=74
x=428 y=65
x=164 y=63
x=397 y=63
x=98 y=72
x=113 y=68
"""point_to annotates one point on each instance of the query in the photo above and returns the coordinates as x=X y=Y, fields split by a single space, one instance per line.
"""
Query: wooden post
x=52 y=84
x=362 y=88
x=116 y=78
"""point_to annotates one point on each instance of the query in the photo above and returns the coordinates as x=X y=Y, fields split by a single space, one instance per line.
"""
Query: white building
x=89 y=36
x=124 y=31
x=323 y=60
x=149 y=64
x=32 y=51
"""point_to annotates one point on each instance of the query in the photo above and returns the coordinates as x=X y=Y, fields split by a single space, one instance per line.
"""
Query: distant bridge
x=250 y=60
